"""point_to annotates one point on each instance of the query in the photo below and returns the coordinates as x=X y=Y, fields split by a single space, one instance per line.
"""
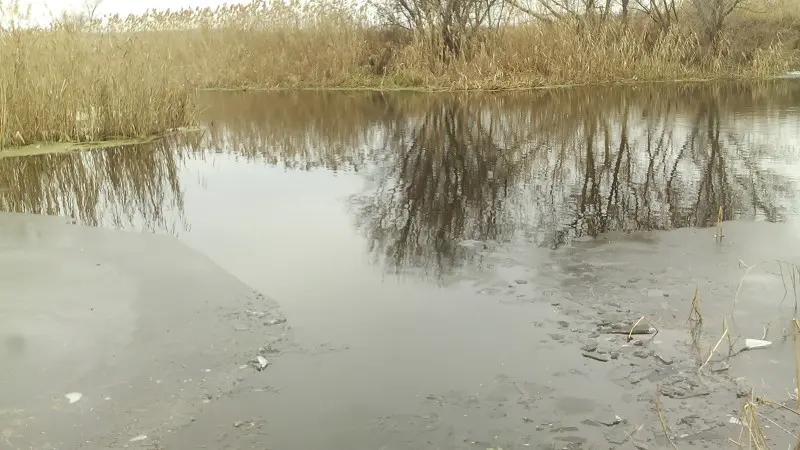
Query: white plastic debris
x=262 y=362
x=138 y=438
x=751 y=344
x=73 y=396
x=735 y=421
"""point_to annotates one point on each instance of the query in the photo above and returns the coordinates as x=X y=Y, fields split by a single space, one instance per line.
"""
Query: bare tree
x=582 y=10
x=447 y=24
x=82 y=18
x=712 y=15
x=90 y=8
x=662 y=12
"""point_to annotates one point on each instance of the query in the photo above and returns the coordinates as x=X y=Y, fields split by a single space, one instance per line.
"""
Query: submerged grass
x=87 y=80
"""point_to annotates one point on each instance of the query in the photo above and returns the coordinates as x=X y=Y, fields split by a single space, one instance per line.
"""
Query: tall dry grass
x=137 y=75
x=64 y=83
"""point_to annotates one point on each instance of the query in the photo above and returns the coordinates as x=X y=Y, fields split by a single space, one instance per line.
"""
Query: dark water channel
x=442 y=260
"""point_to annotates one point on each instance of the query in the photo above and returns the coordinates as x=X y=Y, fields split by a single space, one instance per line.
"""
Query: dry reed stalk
x=137 y=75
x=794 y=277
x=663 y=421
x=779 y=426
x=779 y=406
x=725 y=331
x=749 y=420
x=695 y=317
x=795 y=333
x=741 y=282
x=695 y=323
x=630 y=333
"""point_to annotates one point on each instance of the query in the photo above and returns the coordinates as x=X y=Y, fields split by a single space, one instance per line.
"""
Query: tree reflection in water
x=546 y=167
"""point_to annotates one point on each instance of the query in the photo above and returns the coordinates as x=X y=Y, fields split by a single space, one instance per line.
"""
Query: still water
x=420 y=173
x=426 y=249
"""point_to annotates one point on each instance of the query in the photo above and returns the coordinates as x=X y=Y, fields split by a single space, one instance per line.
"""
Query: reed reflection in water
x=547 y=167
x=128 y=187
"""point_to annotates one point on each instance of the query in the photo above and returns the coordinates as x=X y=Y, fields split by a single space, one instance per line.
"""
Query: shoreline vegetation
x=85 y=78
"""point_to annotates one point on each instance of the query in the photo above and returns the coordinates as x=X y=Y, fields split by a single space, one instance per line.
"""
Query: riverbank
x=138 y=75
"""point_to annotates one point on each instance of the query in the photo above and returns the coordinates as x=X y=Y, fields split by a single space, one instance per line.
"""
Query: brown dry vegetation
x=81 y=80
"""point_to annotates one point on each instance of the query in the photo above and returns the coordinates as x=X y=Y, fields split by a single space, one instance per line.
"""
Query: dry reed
x=662 y=420
x=136 y=76
x=65 y=83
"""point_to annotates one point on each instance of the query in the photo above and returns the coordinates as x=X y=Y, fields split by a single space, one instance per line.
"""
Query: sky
x=46 y=8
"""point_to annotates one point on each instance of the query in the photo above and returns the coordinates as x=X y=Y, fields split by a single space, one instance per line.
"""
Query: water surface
x=427 y=250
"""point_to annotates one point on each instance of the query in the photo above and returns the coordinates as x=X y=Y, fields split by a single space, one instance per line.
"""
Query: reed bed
x=67 y=84
x=111 y=77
